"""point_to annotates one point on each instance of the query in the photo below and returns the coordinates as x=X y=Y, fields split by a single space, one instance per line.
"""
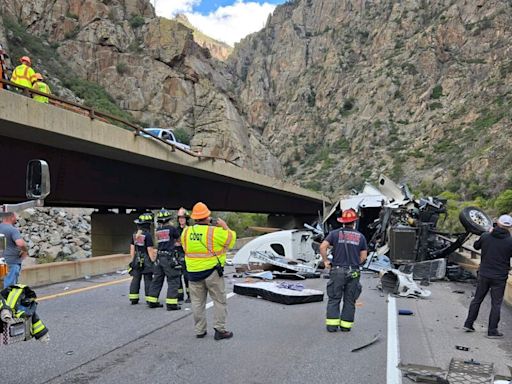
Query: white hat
x=505 y=221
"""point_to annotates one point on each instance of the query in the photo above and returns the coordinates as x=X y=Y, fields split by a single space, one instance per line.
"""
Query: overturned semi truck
x=399 y=228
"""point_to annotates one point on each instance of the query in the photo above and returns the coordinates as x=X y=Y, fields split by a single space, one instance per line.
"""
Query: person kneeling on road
x=349 y=252
x=167 y=264
x=143 y=256
x=205 y=248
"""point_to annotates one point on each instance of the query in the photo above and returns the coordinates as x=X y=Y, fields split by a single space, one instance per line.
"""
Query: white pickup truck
x=168 y=135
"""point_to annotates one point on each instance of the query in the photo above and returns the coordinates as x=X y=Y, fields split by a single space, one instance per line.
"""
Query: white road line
x=229 y=295
x=393 y=373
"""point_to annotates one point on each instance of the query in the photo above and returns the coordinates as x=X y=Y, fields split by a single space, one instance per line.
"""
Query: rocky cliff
x=151 y=68
x=338 y=90
x=346 y=89
x=218 y=49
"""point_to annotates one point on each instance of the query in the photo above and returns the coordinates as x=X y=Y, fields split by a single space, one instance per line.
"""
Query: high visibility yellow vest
x=23 y=75
x=41 y=87
x=205 y=246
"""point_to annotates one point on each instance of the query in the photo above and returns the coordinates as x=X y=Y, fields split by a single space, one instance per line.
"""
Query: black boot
x=223 y=335
x=134 y=302
x=155 y=305
x=173 y=307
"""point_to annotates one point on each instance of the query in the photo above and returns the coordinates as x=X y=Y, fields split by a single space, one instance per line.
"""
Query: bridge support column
x=289 y=222
x=110 y=233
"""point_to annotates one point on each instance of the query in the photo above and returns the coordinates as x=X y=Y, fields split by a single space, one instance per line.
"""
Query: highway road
x=98 y=337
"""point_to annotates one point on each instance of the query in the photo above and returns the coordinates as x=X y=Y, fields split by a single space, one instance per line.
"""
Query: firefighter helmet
x=348 y=216
x=145 y=218
x=200 y=211
x=163 y=215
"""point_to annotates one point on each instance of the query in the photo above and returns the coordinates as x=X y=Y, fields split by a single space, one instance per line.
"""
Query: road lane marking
x=393 y=373
x=48 y=297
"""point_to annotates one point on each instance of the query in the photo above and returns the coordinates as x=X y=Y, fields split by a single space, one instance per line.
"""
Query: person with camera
x=205 y=247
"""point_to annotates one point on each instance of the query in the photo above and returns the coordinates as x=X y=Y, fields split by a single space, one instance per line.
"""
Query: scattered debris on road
x=402 y=284
x=461 y=348
x=371 y=342
x=405 y=312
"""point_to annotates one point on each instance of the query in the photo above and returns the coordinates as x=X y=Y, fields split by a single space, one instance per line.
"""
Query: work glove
x=6 y=316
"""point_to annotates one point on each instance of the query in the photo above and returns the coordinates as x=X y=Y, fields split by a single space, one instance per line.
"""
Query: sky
x=224 y=20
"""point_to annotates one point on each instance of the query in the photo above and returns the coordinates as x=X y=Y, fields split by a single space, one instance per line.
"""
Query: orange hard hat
x=348 y=216
x=39 y=76
x=200 y=211
x=26 y=59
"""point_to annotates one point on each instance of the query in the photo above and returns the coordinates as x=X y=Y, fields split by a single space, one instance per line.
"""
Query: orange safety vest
x=41 y=87
x=23 y=75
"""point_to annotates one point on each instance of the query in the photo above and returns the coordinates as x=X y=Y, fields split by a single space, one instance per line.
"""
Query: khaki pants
x=214 y=285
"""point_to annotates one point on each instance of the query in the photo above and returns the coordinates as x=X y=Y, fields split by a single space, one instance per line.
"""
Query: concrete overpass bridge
x=99 y=165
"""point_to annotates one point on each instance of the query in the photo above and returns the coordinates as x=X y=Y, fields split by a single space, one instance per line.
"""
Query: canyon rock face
x=150 y=66
x=346 y=89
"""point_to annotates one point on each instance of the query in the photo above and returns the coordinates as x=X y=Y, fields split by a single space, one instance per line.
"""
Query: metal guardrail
x=105 y=117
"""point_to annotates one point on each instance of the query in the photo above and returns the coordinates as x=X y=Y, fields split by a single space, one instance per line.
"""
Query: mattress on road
x=271 y=292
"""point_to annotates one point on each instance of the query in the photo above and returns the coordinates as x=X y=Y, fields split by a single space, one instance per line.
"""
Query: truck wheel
x=475 y=220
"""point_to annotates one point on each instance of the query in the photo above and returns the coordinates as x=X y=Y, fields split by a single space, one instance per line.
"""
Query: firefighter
x=167 y=264
x=41 y=86
x=19 y=301
x=183 y=222
x=349 y=252
x=143 y=256
x=205 y=248
x=23 y=74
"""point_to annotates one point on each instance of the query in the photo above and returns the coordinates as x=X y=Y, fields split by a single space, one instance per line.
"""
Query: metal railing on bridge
x=108 y=118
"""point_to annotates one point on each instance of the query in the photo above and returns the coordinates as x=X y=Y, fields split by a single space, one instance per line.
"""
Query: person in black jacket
x=496 y=249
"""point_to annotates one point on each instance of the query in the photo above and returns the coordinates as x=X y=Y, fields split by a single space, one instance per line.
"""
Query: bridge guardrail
x=105 y=117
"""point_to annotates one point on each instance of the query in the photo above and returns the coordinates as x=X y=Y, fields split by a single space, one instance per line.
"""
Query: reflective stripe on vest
x=23 y=75
x=205 y=246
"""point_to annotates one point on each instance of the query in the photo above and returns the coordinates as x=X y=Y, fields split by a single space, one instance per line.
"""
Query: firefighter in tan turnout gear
x=349 y=252
x=167 y=264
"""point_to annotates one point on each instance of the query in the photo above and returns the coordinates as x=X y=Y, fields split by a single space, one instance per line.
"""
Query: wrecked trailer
x=405 y=229
x=287 y=250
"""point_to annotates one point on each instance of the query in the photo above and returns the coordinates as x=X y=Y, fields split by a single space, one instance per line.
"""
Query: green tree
x=504 y=202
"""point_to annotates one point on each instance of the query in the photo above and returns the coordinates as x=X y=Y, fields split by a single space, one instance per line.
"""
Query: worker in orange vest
x=23 y=74
x=41 y=86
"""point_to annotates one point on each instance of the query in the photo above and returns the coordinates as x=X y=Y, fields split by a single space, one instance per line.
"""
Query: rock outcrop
x=56 y=234
x=218 y=49
x=346 y=89
x=152 y=68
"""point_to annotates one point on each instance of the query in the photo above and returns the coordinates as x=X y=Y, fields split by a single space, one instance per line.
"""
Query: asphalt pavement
x=98 y=337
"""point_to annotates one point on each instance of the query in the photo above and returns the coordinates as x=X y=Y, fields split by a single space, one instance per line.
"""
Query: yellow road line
x=48 y=297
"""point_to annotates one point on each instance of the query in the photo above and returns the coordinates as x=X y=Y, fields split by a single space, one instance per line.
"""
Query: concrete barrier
x=471 y=263
x=51 y=273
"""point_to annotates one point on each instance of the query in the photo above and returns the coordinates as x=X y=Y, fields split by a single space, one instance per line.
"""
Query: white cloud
x=229 y=24
x=169 y=8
